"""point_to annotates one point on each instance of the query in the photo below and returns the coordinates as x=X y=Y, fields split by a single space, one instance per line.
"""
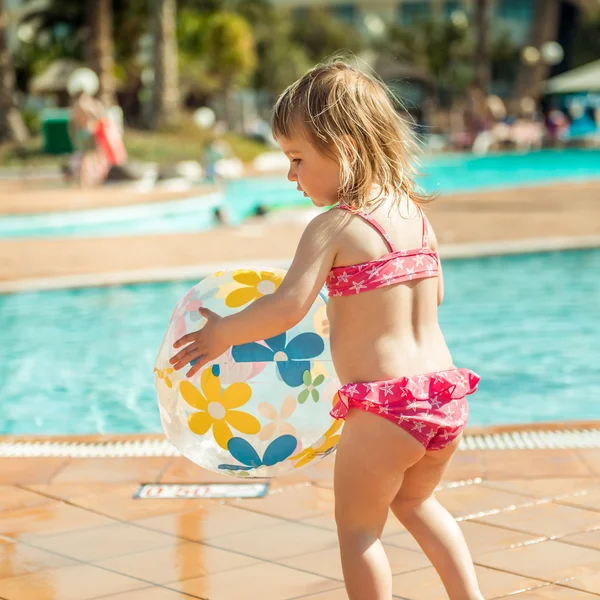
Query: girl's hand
x=201 y=346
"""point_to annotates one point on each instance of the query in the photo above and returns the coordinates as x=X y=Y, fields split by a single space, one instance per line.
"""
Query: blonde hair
x=349 y=115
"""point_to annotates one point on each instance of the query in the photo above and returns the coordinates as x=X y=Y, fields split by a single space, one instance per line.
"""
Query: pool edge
x=550 y=435
x=447 y=252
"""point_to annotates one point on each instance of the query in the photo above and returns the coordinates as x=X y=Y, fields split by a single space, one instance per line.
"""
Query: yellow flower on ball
x=164 y=374
x=256 y=284
x=322 y=447
x=215 y=409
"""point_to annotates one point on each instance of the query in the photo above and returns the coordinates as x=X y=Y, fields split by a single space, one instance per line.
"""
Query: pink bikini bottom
x=432 y=408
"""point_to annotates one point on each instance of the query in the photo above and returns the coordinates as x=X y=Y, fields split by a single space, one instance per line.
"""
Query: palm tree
x=482 y=63
x=11 y=124
x=165 y=96
x=99 y=47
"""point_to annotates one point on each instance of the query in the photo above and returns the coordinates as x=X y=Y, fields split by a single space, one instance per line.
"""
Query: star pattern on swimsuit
x=414 y=405
x=387 y=388
x=432 y=407
x=399 y=264
x=358 y=285
x=351 y=390
x=373 y=271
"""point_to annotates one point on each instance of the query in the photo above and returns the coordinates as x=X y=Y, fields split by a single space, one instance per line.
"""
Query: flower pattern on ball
x=322 y=447
x=278 y=422
x=256 y=284
x=291 y=358
x=216 y=408
x=164 y=374
x=311 y=387
x=277 y=451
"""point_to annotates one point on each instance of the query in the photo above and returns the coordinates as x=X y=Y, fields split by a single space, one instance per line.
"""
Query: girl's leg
x=434 y=528
x=371 y=459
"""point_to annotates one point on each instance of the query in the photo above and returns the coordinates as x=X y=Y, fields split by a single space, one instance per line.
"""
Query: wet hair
x=350 y=116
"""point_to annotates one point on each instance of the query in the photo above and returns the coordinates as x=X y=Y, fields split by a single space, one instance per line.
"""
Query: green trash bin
x=55 y=131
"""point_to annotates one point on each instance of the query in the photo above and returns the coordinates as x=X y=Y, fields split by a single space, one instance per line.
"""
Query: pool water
x=80 y=361
x=240 y=198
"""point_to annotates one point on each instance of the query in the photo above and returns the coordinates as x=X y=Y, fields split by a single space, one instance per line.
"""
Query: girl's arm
x=275 y=313
x=272 y=314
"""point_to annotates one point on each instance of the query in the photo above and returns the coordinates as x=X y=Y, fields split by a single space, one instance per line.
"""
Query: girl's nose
x=292 y=174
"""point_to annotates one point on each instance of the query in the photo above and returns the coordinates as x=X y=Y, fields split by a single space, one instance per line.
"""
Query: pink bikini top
x=395 y=267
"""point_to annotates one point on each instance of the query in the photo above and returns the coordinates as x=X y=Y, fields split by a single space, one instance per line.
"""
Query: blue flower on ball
x=277 y=451
x=292 y=358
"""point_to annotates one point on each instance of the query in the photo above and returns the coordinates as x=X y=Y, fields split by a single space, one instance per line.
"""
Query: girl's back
x=391 y=331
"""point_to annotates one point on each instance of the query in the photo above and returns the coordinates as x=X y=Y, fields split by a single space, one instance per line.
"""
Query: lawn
x=186 y=142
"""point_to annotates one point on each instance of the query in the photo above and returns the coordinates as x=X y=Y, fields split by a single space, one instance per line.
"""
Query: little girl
x=402 y=398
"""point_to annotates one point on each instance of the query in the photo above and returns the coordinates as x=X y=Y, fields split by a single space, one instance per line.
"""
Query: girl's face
x=316 y=175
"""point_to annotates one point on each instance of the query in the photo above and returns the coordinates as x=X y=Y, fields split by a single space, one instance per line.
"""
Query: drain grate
x=534 y=439
x=515 y=440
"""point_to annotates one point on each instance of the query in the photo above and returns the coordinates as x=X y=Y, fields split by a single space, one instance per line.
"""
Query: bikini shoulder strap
x=425 y=228
x=371 y=221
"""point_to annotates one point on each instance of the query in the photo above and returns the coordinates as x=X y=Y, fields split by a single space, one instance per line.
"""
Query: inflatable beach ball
x=261 y=409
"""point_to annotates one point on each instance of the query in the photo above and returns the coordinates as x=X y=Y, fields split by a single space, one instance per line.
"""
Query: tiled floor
x=70 y=529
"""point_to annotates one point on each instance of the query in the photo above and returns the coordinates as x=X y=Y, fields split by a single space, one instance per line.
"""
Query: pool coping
x=152 y=275
x=521 y=436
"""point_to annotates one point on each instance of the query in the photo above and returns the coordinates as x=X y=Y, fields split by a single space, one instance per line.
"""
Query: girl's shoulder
x=327 y=226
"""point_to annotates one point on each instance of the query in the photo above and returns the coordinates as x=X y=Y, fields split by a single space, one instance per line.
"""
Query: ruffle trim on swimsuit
x=414 y=392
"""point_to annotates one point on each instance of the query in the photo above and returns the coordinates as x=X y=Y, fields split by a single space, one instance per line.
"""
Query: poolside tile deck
x=70 y=529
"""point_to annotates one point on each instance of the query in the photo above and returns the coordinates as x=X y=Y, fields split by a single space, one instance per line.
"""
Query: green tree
x=74 y=29
x=11 y=124
x=441 y=48
x=281 y=60
x=197 y=82
x=99 y=47
x=321 y=34
x=229 y=48
x=165 y=92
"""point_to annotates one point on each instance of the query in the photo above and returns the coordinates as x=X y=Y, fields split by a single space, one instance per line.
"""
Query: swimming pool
x=190 y=214
x=444 y=173
x=80 y=361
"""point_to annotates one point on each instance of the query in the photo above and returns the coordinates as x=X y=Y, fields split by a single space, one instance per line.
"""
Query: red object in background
x=110 y=142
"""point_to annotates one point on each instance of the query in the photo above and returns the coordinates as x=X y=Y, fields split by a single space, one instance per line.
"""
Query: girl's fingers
x=185 y=357
x=179 y=357
x=197 y=366
x=186 y=339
